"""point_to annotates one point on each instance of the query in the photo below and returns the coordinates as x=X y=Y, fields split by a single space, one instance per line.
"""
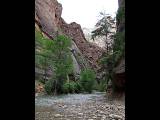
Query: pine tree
x=104 y=27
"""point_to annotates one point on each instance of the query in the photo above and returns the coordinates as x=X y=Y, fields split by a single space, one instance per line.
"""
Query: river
x=93 y=106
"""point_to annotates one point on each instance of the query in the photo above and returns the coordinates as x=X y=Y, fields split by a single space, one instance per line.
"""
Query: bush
x=102 y=87
x=49 y=86
x=78 y=87
x=68 y=87
x=42 y=81
x=72 y=87
x=87 y=80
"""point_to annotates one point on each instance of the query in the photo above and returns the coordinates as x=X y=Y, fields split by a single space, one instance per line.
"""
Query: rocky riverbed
x=94 y=106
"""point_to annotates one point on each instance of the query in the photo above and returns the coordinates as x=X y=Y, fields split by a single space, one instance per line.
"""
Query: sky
x=86 y=12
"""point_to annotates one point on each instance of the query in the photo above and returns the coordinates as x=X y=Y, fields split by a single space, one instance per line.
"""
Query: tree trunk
x=55 y=88
x=45 y=71
x=67 y=78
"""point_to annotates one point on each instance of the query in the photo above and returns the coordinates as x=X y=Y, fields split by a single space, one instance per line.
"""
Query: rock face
x=119 y=77
x=47 y=15
x=48 y=19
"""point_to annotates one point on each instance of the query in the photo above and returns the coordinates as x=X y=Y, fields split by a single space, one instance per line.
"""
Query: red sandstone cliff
x=48 y=19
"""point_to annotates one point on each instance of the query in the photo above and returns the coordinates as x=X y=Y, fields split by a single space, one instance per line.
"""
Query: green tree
x=62 y=61
x=104 y=27
x=55 y=54
x=87 y=80
x=109 y=61
x=42 y=59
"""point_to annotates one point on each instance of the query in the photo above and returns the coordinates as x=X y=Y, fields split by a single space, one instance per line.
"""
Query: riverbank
x=94 y=106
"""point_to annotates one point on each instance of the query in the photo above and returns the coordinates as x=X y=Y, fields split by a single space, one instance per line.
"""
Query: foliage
x=120 y=16
x=42 y=81
x=62 y=56
x=42 y=54
x=119 y=43
x=67 y=88
x=100 y=86
x=55 y=54
x=109 y=61
x=62 y=60
x=54 y=86
x=78 y=87
x=87 y=80
x=49 y=86
x=104 y=27
x=71 y=87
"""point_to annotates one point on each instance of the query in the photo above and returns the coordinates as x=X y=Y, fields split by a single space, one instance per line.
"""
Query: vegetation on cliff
x=115 y=43
x=56 y=54
x=54 y=58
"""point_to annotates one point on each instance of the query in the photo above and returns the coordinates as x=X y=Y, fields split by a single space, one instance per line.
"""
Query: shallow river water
x=94 y=106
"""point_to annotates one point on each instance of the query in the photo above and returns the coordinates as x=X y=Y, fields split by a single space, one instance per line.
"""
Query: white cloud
x=85 y=12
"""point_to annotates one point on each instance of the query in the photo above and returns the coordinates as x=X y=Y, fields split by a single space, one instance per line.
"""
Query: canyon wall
x=49 y=21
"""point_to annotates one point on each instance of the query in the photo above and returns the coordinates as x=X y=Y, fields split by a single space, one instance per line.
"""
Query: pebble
x=57 y=115
x=99 y=115
x=88 y=110
x=79 y=117
x=115 y=116
x=94 y=117
x=80 y=113
x=103 y=118
x=64 y=106
x=101 y=112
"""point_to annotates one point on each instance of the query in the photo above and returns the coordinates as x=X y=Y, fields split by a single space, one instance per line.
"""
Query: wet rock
x=121 y=107
x=78 y=109
x=101 y=112
x=57 y=115
x=79 y=117
x=80 y=113
x=97 y=111
x=64 y=106
x=115 y=116
x=94 y=117
x=103 y=117
x=99 y=115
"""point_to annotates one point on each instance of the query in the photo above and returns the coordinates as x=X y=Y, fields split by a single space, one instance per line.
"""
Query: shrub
x=102 y=87
x=78 y=87
x=72 y=87
x=68 y=87
x=42 y=81
x=49 y=86
x=87 y=80
x=56 y=55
